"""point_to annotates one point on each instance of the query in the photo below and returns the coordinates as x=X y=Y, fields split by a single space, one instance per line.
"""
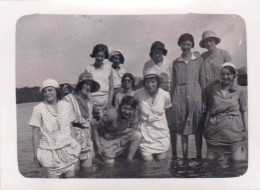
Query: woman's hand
x=100 y=149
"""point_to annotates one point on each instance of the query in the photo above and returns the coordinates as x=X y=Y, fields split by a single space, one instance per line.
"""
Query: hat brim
x=153 y=76
x=164 y=51
x=202 y=45
x=95 y=88
x=121 y=55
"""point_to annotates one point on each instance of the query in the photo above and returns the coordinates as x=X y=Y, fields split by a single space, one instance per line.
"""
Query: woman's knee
x=137 y=136
x=161 y=156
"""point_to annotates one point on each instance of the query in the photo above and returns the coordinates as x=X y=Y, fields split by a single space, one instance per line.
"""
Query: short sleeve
x=36 y=117
x=88 y=69
x=106 y=119
x=167 y=101
x=227 y=57
x=243 y=100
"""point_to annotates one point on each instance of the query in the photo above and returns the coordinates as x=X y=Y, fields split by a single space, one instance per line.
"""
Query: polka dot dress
x=153 y=123
x=57 y=150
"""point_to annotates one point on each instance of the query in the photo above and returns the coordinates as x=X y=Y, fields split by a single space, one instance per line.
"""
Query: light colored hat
x=152 y=73
x=49 y=82
x=88 y=76
x=228 y=64
x=209 y=34
x=117 y=52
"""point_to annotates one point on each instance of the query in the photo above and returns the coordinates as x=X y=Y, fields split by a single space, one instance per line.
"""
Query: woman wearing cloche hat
x=54 y=148
x=214 y=57
x=82 y=105
x=158 y=62
x=154 y=106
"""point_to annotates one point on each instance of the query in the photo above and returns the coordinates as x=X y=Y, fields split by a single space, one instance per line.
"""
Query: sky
x=58 y=46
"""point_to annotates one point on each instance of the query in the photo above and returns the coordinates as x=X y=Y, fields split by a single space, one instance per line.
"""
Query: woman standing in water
x=187 y=84
x=154 y=107
x=102 y=73
x=82 y=105
x=54 y=148
x=214 y=57
x=226 y=122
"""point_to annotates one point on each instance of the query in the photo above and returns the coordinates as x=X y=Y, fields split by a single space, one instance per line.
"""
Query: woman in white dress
x=154 y=108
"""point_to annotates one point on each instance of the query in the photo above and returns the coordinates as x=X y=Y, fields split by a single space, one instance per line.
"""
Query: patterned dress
x=82 y=110
x=57 y=151
x=163 y=69
x=188 y=82
x=152 y=121
x=213 y=61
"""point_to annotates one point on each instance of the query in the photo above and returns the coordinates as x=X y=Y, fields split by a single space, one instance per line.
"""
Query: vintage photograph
x=131 y=96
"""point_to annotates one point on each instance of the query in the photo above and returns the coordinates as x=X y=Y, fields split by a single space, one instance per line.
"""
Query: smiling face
x=86 y=87
x=186 y=46
x=226 y=76
x=210 y=43
x=157 y=56
x=127 y=83
x=99 y=58
x=49 y=94
x=116 y=60
x=126 y=111
x=151 y=84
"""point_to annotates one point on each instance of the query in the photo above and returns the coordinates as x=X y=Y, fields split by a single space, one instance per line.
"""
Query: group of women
x=105 y=116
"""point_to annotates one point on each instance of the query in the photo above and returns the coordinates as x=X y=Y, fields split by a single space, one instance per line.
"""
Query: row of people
x=178 y=106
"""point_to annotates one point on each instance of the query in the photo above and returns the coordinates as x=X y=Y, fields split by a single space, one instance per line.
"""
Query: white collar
x=193 y=57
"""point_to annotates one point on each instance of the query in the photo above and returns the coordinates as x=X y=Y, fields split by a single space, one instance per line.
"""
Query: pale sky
x=58 y=46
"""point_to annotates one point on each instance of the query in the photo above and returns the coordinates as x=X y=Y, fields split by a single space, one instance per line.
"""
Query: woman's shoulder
x=164 y=93
x=139 y=92
x=39 y=106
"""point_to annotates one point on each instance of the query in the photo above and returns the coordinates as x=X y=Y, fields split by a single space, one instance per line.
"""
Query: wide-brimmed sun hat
x=209 y=34
x=88 y=76
x=49 y=83
x=114 y=53
x=157 y=45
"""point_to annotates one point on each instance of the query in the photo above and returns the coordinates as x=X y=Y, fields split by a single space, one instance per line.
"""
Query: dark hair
x=130 y=76
x=100 y=48
x=232 y=70
x=158 y=82
x=58 y=91
x=129 y=100
x=79 y=86
x=185 y=37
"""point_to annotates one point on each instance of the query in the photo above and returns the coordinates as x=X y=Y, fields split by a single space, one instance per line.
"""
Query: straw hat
x=49 y=83
x=88 y=76
x=209 y=34
x=152 y=73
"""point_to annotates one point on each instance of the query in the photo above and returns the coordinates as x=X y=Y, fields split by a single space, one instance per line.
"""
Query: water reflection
x=168 y=168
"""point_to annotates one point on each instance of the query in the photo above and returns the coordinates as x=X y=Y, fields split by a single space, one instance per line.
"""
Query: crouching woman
x=116 y=131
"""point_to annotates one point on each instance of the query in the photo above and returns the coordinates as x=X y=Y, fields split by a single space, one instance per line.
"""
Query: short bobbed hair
x=130 y=76
x=129 y=100
x=100 y=48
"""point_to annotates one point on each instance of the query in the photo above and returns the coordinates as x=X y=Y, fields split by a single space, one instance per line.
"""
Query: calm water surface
x=168 y=168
